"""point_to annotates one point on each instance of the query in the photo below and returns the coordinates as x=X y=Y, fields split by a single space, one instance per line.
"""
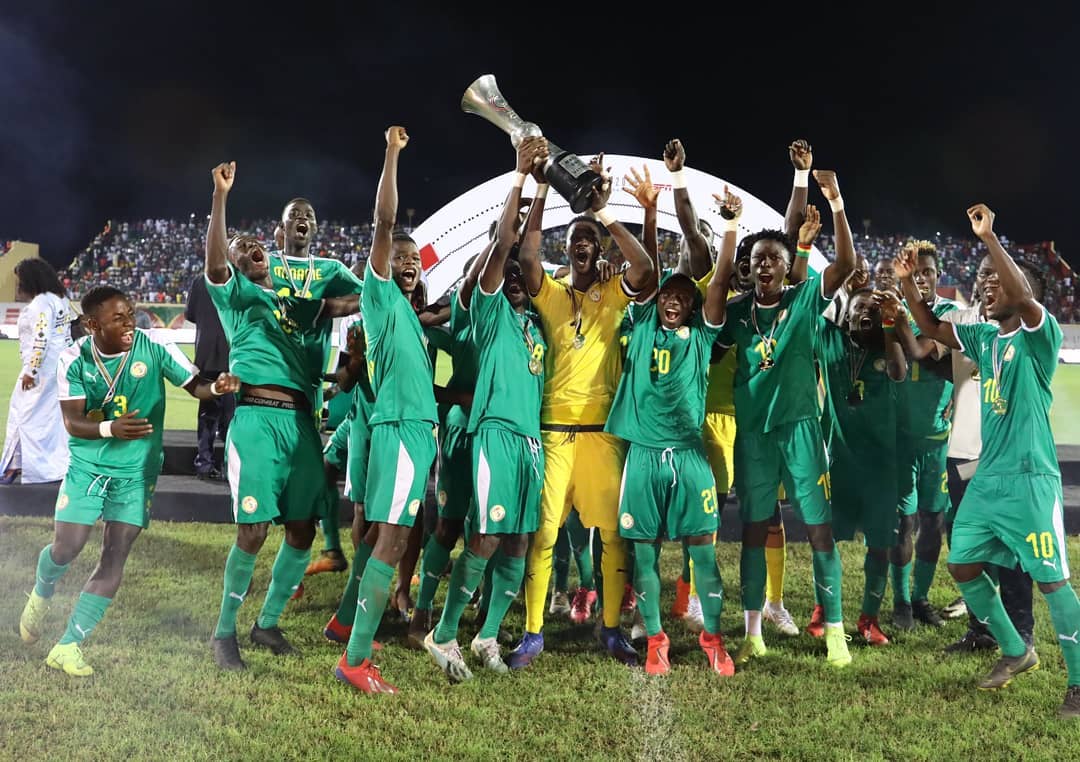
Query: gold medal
x=1000 y=406
x=975 y=373
x=579 y=341
x=97 y=415
x=766 y=364
x=535 y=366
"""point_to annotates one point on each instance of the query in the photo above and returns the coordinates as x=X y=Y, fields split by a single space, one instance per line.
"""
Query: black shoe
x=901 y=616
x=925 y=613
x=955 y=610
x=971 y=642
x=227 y=653
x=1070 y=708
x=272 y=638
x=213 y=475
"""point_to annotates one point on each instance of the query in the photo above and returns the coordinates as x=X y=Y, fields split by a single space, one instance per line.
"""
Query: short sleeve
x=1044 y=340
x=617 y=289
x=233 y=294
x=459 y=315
x=69 y=375
x=970 y=338
x=550 y=291
x=343 y=281
x=175 y=365
x=641 y=312
x=379 y=292
x=811 y=296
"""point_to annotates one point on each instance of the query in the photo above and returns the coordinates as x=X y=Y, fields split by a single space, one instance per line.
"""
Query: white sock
x=753 y=623
x=834 y=625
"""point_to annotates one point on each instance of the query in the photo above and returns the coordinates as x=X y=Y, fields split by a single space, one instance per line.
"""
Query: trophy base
x=576 y=190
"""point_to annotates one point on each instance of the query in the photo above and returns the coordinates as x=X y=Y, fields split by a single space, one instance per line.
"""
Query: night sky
x=119 y=110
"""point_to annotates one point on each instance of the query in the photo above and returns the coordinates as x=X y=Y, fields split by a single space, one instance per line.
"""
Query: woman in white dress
x=37 y=442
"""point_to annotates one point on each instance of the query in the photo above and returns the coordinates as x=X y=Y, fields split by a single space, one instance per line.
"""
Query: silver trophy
x=565 y=171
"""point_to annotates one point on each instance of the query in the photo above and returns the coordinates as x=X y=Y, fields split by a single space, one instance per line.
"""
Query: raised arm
x=837 y=272
x=893 y=317
x=472 y=276
x=386 y=201
x=802 y=159
x=1014 y=286
x=806 y=234
x=530 y=151
x=217 y=238
x=929 y=326
x=533 y=236
x=646 y=194
x=700 y=257
x=715 y=307
x=640 y=272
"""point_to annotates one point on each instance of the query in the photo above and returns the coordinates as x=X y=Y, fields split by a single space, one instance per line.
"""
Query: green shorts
x=86 y=496
x=667 y=493
x=509 y=473
x=357 y=467
x=275 y=468
x=336 y=451
x=1005 y=519
x=401 y=456
x=455 y=483
x=924 y=481
x=861 y=497
x=792 y=454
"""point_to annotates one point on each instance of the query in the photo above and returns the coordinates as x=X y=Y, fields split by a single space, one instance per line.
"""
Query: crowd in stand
x=154 y=260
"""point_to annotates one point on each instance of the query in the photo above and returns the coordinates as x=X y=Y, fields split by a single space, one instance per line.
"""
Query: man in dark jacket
x=212 y=358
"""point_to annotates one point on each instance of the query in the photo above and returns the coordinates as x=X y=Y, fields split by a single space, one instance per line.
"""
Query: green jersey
x=464 y=357
x=860 y=409
x=264 y=334
x=1015 y=371
x=660 y=401
x=510 y=379
x=399 y=366
x=775 y=379
x=926 y=397
x=328 y=278
x=139 y=376
x=363 y=399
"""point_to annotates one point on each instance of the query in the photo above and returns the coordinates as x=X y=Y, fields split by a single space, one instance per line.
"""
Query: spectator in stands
x=37 y=442
x=212 y=359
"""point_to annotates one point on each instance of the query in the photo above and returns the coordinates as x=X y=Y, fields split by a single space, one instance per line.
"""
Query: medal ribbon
x=111 y=380
x=303 y=293
x=576 y=320
x=997 y=363
x=855 y=368
x=766 y=341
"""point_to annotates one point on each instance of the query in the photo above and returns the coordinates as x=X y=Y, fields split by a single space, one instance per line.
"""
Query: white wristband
x=605 y=216
x=519 y=179
x=214 y=390
x=541 y=190
x=837 y=205
x=731 y=226
x=802 y=178
x=105 y=429
x=678 y=179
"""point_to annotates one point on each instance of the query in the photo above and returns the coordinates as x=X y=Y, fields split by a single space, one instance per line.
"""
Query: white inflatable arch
x=448 y=238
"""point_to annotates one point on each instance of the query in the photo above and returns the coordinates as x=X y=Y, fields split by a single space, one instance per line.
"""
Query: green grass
x=156 y=694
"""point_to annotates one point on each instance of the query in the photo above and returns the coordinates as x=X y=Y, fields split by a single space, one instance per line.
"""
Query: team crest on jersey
x=414 y=507
x=138 y=369
x=626 y=521
x=594 y=294
x=442 y=498
x=1010 y=352
x=683 y=332
x=879 y=365
x=497 y=513
x=62 y=501
x=249 y=504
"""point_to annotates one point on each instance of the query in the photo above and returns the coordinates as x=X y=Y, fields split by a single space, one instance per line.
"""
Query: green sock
x=647 y=584
x=464 y=579
x=985 y=603
x=48 y=573
x=285 y=577
x=331 y=522
x=239 y=568
x=373 y=594
x=560 y=560
x=506 y=576
x=346 y=611
x=901 y=583
x=876 y=569
x=88 y=612
x=1065 y=614
x=709 y=585
x=685 y=562
x=827 y=578
x=579 y=546
x=432 y=565
x=752 y=573
x=924 y=578
x=488 y=591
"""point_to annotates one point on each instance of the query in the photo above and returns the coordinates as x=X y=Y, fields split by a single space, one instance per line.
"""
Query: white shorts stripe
x=483 y=490
x=232 y=457
x=1058 y=518
x=348 y=476
x=403 y=481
